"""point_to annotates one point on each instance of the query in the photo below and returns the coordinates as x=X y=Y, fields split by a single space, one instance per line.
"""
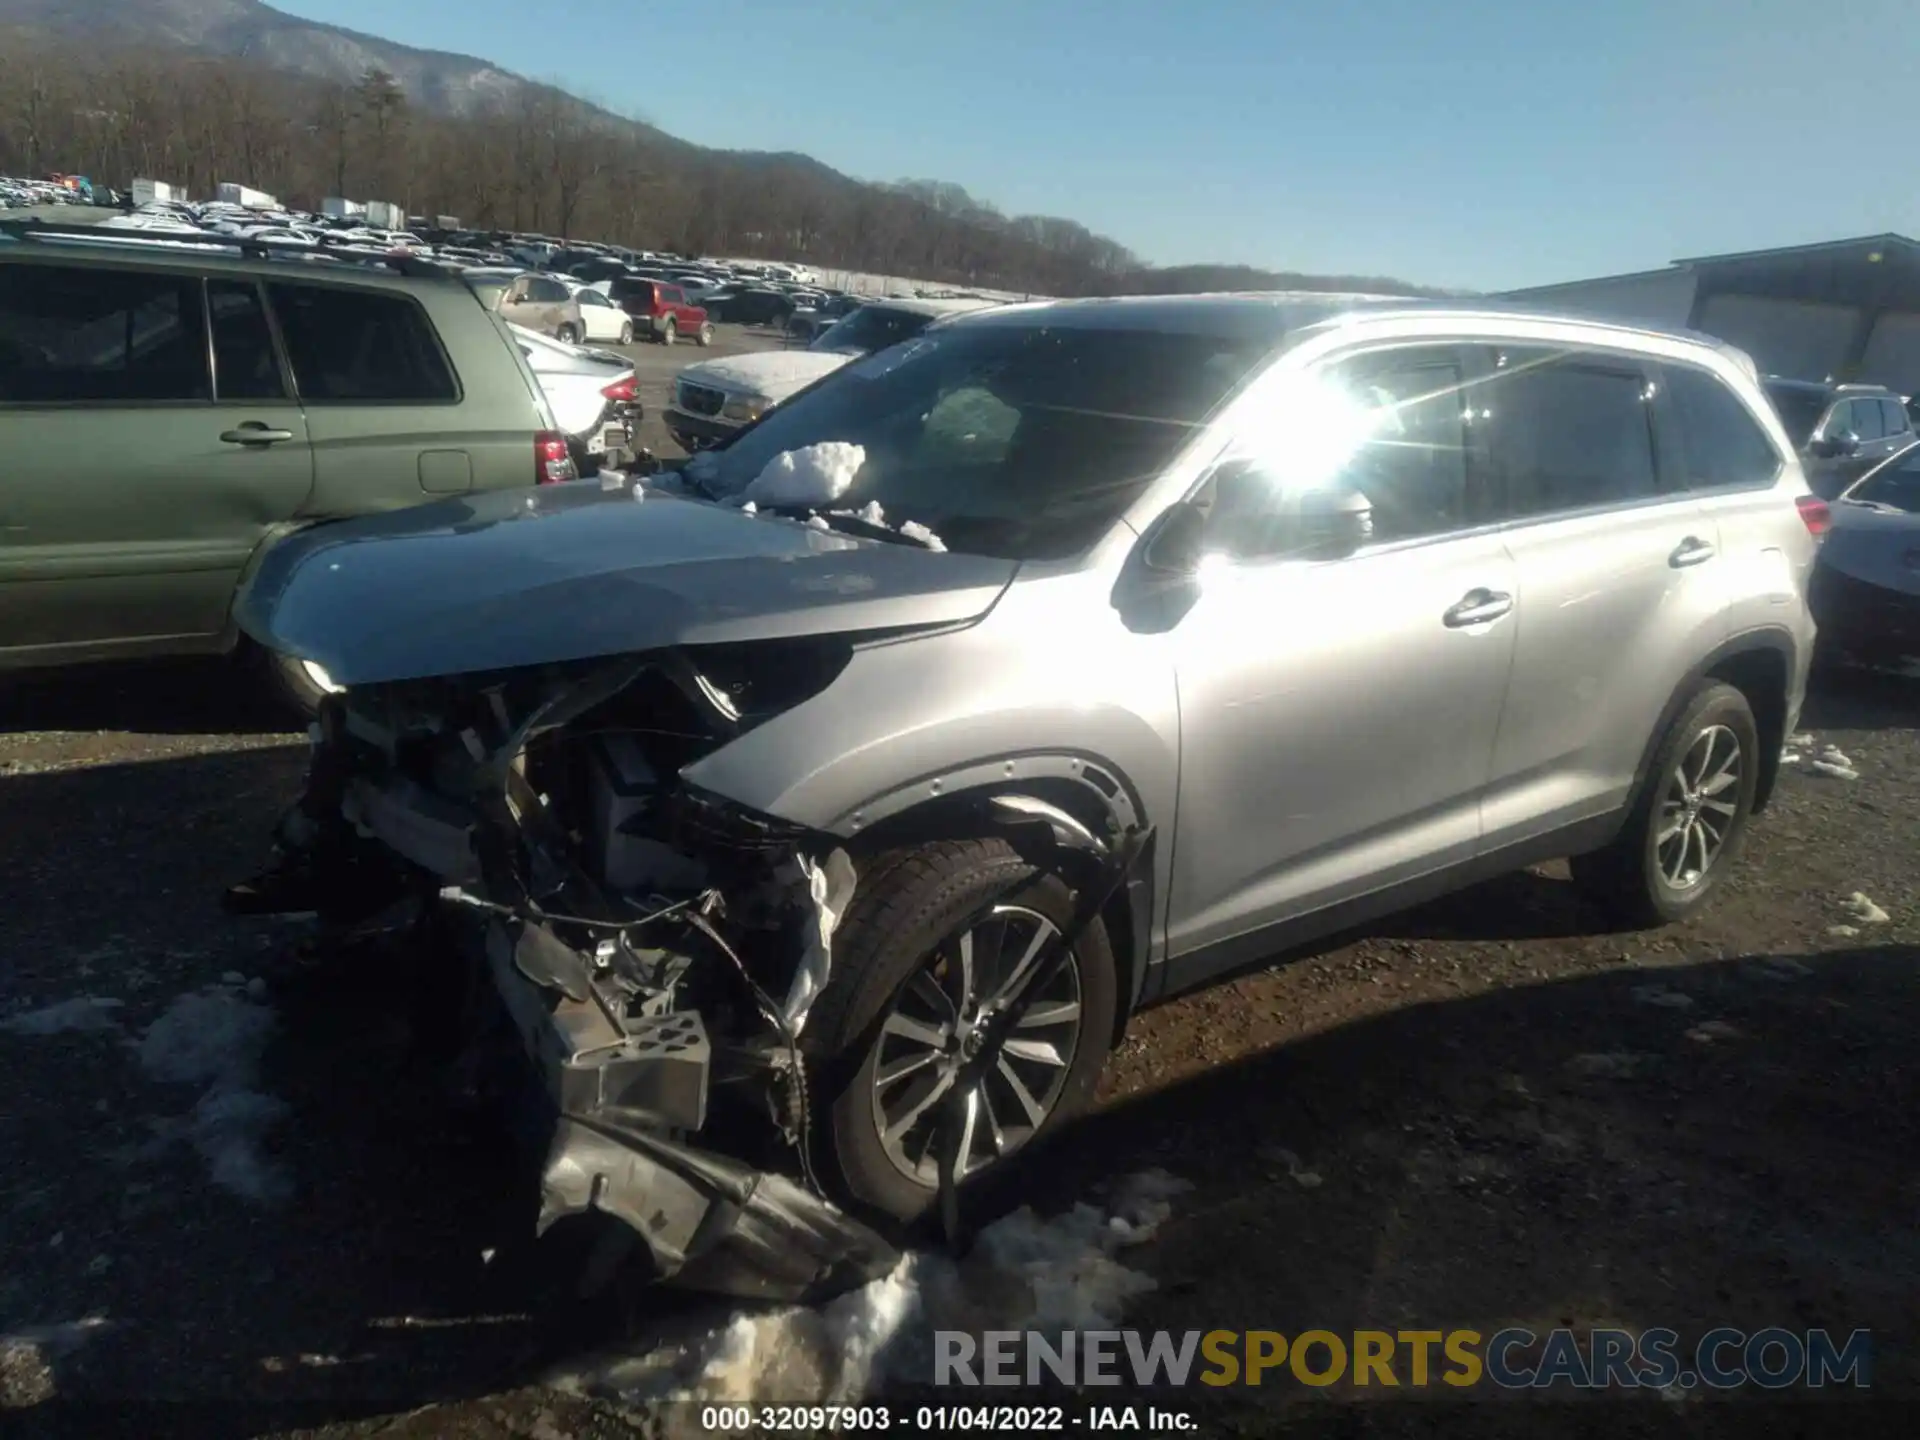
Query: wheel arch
x=958 y=805
x=1760 y=664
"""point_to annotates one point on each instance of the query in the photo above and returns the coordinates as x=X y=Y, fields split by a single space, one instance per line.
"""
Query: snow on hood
x=775 y=374
x=1024 y=1274
x=812 y=475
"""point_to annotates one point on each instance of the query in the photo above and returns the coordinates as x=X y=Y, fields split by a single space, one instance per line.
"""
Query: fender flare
x=1096 y=793
x=1765 y=639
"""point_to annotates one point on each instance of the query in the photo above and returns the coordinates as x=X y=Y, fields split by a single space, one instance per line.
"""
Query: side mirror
x=1177 y=541
x=1334 y=523
x=1837 y=447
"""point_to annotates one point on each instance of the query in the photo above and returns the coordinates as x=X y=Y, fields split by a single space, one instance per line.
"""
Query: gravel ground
x=1481 y=1112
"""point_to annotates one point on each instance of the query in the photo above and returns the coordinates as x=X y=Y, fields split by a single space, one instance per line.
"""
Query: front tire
x=932 y=934
x=1689 y=820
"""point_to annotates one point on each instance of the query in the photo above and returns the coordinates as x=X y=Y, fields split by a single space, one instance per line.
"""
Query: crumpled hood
x=574 y=572
x=775 y=374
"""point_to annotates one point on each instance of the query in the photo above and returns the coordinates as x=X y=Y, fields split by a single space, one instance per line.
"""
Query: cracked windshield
x=1195 y=719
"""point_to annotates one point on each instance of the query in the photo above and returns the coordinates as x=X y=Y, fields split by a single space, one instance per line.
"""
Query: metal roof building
x=1843 y=309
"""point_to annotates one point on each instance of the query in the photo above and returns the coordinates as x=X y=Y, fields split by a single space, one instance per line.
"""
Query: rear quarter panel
x=385 y=457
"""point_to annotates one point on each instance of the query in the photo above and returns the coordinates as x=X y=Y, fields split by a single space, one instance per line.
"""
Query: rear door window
x=1572 y=430
x=244 y=364
x=72 y=334
x=1721 y=445
x=361 y=346
x=1893 y=417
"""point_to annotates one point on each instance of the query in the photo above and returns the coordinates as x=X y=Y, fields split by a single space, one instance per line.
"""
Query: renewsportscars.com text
x=1513 y=1358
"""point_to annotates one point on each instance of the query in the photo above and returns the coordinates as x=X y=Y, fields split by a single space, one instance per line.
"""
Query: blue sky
x=1477 y=143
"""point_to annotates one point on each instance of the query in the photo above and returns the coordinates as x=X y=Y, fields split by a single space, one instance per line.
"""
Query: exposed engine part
x=635 y=931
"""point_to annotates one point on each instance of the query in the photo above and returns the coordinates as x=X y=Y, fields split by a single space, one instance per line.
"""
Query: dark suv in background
x=1842 y=431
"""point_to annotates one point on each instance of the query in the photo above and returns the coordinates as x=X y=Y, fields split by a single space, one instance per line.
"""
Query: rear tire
x=1689 y=819
x=568 y=335
x=907 y=908
x=669 y=333
x=626 y=333
x=705 y=337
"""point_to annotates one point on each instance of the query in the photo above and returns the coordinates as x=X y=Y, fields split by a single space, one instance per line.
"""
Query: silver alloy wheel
x=322 y=681
x=1699 y=807
x=935 y=1026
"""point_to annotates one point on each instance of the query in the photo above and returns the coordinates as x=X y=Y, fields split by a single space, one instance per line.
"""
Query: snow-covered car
x=591 y=393
x=715 y=398
x=604 y=320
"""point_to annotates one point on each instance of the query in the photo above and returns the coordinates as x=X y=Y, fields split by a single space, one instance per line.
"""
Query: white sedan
x=604 y=319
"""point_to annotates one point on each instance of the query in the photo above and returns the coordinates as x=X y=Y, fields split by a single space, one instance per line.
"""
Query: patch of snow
x=1843 y=932
x=812 y=475
x=914 y=530
x=27 y=1373
x=814 y=522
x=1833 y=763
x=83 y=1014
x=1607 y=1065
x=1662 y=997
x=1803 y=738
x=749 y=508
x=1023 y=1273
x=215 y=1038
x=1860 y=908
x=1709 y=1031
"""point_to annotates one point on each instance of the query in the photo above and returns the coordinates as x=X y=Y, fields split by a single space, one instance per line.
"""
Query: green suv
x=168 y=410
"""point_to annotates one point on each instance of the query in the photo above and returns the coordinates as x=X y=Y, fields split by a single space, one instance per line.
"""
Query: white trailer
x=146 y=192
x=336 y=208
x=231 y=194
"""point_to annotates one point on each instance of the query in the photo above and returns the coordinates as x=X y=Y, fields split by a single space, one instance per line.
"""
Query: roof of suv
x=136 y=249
x=1272 y=314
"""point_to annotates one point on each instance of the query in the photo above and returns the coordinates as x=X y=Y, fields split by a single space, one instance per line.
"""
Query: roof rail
x=326 y=247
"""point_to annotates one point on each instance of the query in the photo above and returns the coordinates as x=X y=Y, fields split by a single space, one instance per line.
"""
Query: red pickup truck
x=660 y=310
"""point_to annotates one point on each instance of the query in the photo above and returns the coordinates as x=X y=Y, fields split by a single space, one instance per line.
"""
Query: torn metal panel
x=829 y=892
x=711 y=1223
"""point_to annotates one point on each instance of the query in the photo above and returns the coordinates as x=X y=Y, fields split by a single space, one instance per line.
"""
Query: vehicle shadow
x=211 y=696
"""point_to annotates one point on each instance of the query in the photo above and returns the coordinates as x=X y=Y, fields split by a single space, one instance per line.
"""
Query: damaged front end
x=652 y=951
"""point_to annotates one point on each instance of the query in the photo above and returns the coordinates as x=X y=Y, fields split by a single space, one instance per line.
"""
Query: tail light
x=1814 y=514
x=552 y=461
x=620 y=391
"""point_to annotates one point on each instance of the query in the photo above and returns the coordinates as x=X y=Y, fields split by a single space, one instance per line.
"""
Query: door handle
x=254 y=432
x=1691 y=551
x=1477 y=607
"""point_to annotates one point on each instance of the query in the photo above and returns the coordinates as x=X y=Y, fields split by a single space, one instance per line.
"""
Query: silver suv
x=850 y=785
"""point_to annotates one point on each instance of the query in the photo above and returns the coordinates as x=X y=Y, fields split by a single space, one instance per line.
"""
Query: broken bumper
x=621 y=1093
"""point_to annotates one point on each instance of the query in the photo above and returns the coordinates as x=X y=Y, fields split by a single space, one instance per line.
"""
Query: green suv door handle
x=254 y=433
